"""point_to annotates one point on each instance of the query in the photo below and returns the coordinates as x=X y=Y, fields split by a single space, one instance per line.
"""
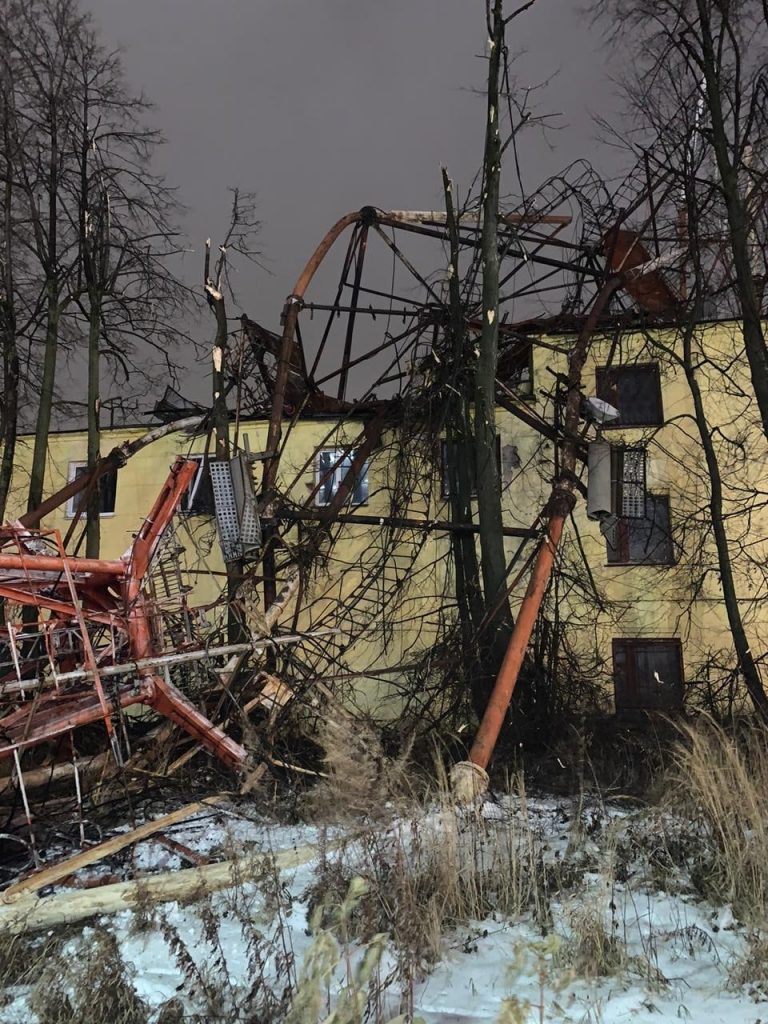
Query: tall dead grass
x=719 y=780
x=436 y=868
x=359 y=781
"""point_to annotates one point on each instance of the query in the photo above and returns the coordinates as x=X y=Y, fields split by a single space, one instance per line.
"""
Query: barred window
x=645 y=540
x=628 y=482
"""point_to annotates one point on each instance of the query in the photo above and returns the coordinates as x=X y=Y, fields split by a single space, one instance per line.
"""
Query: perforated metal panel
x=633 y=484
x=235 y=503
x=226 y=510
x=245 y=503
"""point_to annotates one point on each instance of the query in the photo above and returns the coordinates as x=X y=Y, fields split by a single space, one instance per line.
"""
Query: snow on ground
x=673 y=953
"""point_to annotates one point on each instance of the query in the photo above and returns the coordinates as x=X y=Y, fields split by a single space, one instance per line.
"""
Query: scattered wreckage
x=99 y=636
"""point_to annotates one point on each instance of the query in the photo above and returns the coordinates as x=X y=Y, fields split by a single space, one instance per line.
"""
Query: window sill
x=354 y=504
x=102 y=515
x=633 y=426
x=646 y=565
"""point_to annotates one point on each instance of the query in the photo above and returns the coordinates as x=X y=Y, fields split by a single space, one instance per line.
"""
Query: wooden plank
x=56 y=872
x=27 y=912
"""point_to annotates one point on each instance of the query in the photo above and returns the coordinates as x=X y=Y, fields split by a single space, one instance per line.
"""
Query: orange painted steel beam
x=52 y=563
x=291 y=316
x=152 y=529
x=560 y=504
x=61 y=608
x=69 y=588
x=22 y=730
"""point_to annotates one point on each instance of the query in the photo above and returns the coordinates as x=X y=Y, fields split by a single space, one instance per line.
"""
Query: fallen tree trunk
x=51 y=774
x=28 y=912
x=56 y=872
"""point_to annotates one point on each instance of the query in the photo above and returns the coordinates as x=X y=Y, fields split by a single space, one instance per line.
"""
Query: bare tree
x=85 y=217
x=123 y=286
x=8 y=294
x=492 y=556
x=697 y=109
x=697 y=85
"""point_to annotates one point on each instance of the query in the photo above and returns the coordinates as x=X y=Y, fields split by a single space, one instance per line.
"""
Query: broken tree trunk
x=469 y=778
x=56 y=872
x=27 y=912
x=487 y=475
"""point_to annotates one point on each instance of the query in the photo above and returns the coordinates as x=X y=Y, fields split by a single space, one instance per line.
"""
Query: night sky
x=322 y=106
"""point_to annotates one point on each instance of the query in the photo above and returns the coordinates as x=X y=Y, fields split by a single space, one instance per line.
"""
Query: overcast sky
x=322 y=106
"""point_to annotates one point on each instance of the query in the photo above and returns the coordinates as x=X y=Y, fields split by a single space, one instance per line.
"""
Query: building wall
x=389 y=610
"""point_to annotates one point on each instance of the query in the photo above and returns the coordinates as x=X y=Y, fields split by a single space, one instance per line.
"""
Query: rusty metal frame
x=85 y=592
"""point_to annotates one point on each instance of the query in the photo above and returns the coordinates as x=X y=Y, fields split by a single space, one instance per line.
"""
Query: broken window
x=333 y=464
x=645 y=540
x=450 y=451
x=198 y=498
x=648 y=675
x=635 y=391
x=515 y=365
x=107 y=491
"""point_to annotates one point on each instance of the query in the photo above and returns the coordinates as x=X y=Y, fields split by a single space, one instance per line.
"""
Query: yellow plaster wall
x=643 y=601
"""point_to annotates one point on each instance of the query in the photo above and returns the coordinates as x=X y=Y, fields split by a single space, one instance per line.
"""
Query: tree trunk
x=28 y=912
x=236 y=630
x=738 y=221
x=220 y=414
x=93 y=525
x=746 y=661
x=43 y=423
x=9 y=414
x=45 y=408
x=487 y=474
x=459 y=443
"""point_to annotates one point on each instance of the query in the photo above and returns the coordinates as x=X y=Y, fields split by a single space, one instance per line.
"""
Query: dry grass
x=411 y=872
x=720 y=782
x=89 y=983
x=592 y=949
x=432 y=871
x=750 y=971
x=360 y=781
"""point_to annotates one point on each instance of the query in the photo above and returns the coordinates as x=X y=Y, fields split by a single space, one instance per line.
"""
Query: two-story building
x=636 y=599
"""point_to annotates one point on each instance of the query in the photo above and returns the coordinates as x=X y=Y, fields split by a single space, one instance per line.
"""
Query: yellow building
x=641 y=609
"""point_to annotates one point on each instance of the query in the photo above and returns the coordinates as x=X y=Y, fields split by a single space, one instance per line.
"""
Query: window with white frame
x=107 y=491
x=333 y=465
x=198 y=497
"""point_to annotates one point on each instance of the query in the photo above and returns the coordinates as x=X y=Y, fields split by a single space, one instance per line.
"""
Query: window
x=465 y=450
x=198 y=498
x=515 y=366
x=643 y=541
x=333 y=464
x=648 y=675
x=635 y=391
x=107 y=491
